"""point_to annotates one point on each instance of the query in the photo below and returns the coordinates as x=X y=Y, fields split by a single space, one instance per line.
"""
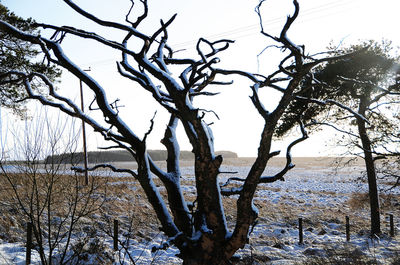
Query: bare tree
x=46 y=193
x=201 y=234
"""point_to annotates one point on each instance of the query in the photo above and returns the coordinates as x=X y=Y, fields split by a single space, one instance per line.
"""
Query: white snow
x=312 y=189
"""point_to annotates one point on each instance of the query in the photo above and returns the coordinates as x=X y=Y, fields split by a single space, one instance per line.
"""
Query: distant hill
x=121 y=156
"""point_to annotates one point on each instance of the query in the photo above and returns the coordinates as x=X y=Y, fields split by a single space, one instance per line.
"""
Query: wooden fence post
x=391 y=225
x=300 y=230
x=28 y=243
x=347 y=229
x=115 y=234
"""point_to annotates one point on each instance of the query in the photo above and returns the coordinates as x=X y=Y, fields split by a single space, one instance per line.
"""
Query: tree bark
x=370 y=168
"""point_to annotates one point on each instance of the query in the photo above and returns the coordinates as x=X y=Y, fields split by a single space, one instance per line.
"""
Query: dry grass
x=301 y=162
x=127 y=198
x=40 y=196
x=339 y=256
x=360 y=201
x=126 y=202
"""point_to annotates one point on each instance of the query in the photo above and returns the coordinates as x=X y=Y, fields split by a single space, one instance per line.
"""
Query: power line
x=268 y=24
x=250 y=30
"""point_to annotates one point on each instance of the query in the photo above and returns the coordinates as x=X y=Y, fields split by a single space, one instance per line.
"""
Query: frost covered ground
x=312 y=191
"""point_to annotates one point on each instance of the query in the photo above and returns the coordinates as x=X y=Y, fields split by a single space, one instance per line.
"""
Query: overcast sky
x=238 y=129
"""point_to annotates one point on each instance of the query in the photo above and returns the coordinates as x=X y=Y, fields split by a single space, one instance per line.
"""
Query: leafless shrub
x=47 y=194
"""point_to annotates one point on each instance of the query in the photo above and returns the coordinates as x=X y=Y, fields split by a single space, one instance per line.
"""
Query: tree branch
x=113 y=168
x=93 y=18
x=289 y=165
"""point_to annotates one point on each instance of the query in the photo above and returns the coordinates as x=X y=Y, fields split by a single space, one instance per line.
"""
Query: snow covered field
x=312 y=191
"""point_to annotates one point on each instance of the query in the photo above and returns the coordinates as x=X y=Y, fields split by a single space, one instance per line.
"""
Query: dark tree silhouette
x=366 y=83
x=201 y=235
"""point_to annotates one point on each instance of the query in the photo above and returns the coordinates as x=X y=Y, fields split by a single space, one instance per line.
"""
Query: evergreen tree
x=19 y=55
x=367 y=84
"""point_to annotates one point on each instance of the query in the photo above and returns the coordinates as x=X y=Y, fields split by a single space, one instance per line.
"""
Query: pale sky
x=239 y=127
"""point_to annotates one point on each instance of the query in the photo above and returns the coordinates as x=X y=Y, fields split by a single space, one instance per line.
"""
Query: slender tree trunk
x=371 y=173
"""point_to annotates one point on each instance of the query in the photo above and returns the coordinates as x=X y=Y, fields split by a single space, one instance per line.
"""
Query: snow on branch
x=71 y=108
x=171 y=143
x=65 y=62
x=93 y=18
x=84 y=34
